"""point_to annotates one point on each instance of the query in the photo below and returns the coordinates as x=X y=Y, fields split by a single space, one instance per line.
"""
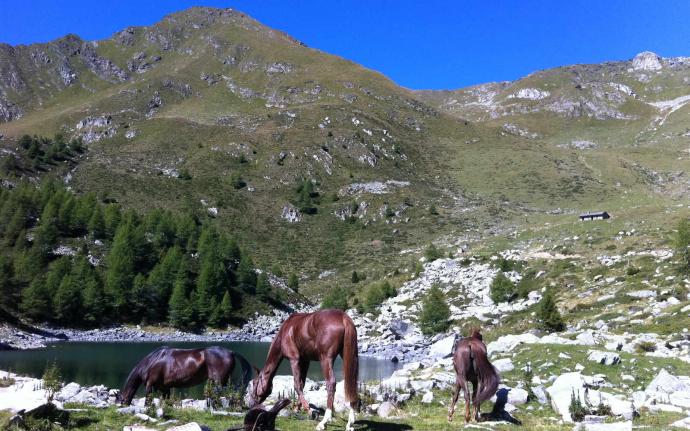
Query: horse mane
x=138 y=373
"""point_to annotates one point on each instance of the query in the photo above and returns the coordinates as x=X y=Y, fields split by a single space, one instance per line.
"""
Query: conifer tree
x=246 y=277
x=355 y=277
x=67 y=302
x=111 y=217
x=93 y=301
x=263 y=287
x=293 y=282
x=66 y=216
x=548 y=315
x=35 y=302
x=435 y=314
x=119 y=272
x=226 y=307
x=180 y=310
x=96 y=224
x=161 y=281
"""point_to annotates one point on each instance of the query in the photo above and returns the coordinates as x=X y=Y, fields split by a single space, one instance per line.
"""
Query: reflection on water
x=110 y=363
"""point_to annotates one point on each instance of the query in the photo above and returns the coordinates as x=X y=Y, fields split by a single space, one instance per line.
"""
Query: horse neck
x=274 y=358
x=131 y=385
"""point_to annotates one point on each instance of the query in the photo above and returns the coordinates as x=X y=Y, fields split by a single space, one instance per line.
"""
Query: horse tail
x=246 y=370
x=350 y=360
x=486 y=375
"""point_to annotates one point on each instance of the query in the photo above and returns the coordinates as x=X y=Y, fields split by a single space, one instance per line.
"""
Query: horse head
x=123 y=398
x=261 y=388
x=474 y=333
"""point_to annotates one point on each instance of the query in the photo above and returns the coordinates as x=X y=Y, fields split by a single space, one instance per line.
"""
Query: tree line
x=77 y=261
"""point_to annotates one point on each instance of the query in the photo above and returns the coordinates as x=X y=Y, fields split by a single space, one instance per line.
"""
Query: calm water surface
x=110 y=363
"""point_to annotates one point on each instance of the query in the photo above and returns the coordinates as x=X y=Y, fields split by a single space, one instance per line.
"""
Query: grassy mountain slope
x=219 y=96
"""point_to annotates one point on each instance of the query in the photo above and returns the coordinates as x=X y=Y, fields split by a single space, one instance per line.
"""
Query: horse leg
x=475 y=387
x=299 y=384
x=468 y=401
x=327 y=368
x=149 y=390
x=454 y=400
x=304 y=369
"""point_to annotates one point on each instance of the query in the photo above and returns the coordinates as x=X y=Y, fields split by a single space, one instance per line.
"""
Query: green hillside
x=209 y=112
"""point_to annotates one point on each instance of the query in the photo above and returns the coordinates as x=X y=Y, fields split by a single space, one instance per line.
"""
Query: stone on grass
x=504 y=365
x=385 y=409
x=604 y=358
x=428 y=397
x=683 y=423
x=561 y=391
x=667 y=383
x=442 y=348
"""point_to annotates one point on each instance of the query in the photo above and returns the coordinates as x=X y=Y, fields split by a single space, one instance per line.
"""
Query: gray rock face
x=291 y=214
x=647 y=61
x=9 y=111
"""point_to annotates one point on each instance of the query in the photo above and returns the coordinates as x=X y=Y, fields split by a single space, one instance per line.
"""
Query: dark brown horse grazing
x=472 y=365
x=306 y=337
x=166 y=368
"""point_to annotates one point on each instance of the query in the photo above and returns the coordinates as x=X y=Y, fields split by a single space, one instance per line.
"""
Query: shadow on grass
x=499 y=412
x=366 y=425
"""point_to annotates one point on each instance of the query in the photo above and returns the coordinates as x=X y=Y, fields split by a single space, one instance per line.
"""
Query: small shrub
x=577 y=410
x=336 y=298
x=432 y=253
x=632 y=270
x=212 y=393
x=527 y=376
x=184 y=175
x=52 y=380
x=237 y=182
x=506 y=265
x=502 y=289
x=682 y=243
x=355 y=277
x=645 y=347
x=528 y=283
x=375 y=294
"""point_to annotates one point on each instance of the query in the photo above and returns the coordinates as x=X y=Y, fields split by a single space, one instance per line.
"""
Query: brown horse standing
x=306 y=337
x=472 y=365
x=166 y=368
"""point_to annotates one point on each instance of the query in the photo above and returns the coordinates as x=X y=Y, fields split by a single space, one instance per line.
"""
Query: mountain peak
x=647 y=60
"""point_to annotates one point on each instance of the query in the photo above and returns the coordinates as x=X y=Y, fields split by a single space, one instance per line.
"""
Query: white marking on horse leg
x=326 y=418
x=351 y=420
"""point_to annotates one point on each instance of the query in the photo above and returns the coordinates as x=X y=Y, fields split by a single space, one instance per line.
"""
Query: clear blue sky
x=418 y=44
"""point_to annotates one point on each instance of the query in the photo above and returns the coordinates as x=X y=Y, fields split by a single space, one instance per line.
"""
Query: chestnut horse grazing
x=472 y=365
x=166 y=368
x=306 y=337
